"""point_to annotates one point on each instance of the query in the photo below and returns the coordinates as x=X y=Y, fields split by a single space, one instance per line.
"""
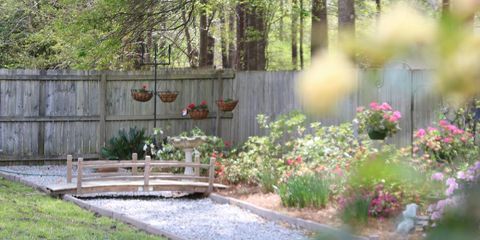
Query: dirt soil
x=383 y=228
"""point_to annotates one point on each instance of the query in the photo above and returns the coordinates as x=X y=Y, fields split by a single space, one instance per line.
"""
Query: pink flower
x=448 y=140
x=420 y=133
x=461 y=175
x=360 y=109
x=443 y=122
x=393 y=119
x=289 y=162
x=452 y=128
x=437 y=176
x=385 y=106
x=432 y=129
x=299 y=159
x=463 y=139
x=203 y=103
x=397 y=114
x=374 y=105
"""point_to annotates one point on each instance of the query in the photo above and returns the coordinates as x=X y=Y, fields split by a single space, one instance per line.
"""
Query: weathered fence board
x=46 y=114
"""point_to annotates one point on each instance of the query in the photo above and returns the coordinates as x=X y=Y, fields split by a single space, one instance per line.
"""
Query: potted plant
x=226 y=105
x=168 y=96
x=379 y=121
x=198 y=112
x=142 y=94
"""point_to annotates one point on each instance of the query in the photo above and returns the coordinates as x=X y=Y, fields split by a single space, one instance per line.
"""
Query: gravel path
x=200 y=219
x=189 y=218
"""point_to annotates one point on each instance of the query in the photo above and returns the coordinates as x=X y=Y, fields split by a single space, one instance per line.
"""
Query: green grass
x=29 y=214
x=308 y=190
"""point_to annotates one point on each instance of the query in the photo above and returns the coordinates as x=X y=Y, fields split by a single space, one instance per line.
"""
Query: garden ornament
x=408 y=222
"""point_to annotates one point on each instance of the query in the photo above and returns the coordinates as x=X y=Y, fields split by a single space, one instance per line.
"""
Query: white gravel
x=200 y=219
x=188 y=218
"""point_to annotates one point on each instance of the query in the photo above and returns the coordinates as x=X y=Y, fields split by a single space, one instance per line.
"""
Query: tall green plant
x=309 y=190
x=125 y=144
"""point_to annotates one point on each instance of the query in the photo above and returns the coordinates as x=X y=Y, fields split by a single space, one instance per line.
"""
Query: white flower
x=145 y=147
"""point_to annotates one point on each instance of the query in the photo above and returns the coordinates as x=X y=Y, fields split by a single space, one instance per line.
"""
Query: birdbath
x=187 y=144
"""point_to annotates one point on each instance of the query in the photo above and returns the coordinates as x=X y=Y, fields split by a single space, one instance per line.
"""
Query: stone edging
x=102 y=211
x=278 y=217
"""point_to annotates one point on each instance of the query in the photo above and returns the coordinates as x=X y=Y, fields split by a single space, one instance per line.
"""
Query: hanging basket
x=142 y=95
x=377 y=135
x=226 y=106
x=168 y=96
x=198 y=114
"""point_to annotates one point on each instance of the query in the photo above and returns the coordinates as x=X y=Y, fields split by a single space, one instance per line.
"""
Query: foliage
x=200 y=107
x=125 y=144
x=445 y=143
x=354 y=210
x=383 y=204
x=29 y=214
x=308 y=190
x=379 y=118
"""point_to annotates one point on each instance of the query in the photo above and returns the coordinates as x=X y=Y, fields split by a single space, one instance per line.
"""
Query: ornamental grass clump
x=443 y=143
x=379 y=121
x=308 y=190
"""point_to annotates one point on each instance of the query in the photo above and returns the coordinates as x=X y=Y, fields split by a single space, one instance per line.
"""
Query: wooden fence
x=47 y=114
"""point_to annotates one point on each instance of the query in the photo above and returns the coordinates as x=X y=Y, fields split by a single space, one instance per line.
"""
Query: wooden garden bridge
x=140 y=178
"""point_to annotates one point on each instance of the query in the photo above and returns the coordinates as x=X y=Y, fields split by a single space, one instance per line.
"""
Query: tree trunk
x=346 y=18
x=301 y=34
x=231 y=46
x=281 y=30
x=294 y=29
x=192 y=53
x=223 y=39
x=262 y=41
x=203 y=36
x=319 y=34
x=251 y=45
x=240 y=58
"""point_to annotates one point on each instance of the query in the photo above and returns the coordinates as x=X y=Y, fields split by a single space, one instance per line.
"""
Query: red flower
x=299 y=159
x=289 y=162
x=144 y=86
x=214 y=155
x=227 y=144
x=191 y=106
x=203 y=103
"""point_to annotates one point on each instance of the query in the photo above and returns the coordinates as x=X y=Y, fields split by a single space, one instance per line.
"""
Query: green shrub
x=125 y=144
x=309 y=190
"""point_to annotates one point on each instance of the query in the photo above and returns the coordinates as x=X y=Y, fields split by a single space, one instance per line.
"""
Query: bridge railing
x=135 y=174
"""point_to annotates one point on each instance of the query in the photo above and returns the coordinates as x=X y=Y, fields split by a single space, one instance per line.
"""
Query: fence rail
x=46 y=114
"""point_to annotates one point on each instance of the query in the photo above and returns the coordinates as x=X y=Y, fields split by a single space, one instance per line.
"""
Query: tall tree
x=319 y=34
x=223 y=39
x=207 y=42
x=231 y=44
x=241 y=36
x=346 y=18
x=294 y=36
x=302 y=23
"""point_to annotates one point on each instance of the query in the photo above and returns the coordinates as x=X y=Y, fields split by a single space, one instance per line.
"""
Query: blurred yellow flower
x=465 y=8
x=330 y=77
x=404 y=26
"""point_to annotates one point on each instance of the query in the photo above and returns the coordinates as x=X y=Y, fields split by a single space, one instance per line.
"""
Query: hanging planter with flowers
x=168 y=96
x=379 y=121
x=227 y=105
x=197 y=112
x=142 y=94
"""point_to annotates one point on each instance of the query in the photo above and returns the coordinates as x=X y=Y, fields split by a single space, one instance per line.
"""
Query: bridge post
x=197 y=161
x=146 y=174
x=69 y=168
x=134 y=161
x=211 y=174
x=79 y=175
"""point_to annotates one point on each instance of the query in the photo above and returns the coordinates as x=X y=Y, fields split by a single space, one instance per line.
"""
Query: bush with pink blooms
x=380 y=118
x=444 y=143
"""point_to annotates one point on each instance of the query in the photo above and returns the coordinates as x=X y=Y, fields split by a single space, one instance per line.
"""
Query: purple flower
x=461 y=175
x=437 y=176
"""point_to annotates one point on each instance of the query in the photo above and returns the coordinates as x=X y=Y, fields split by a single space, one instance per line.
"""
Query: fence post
x=146 y=174
x=69 y=168
x=134 y=161
x=211 y=174
x=218 y=125
x=79 y=175
x=102 y=108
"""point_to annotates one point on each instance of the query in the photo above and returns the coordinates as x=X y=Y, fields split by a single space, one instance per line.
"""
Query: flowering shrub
x=379 y=118
x=443 y=143
x=453 y=196
x=201 y=107
x=383 y=204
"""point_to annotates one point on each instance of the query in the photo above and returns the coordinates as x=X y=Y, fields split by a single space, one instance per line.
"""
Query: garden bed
x=381 y=228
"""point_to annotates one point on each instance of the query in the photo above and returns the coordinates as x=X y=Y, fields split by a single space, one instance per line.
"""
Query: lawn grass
x=28 y=214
